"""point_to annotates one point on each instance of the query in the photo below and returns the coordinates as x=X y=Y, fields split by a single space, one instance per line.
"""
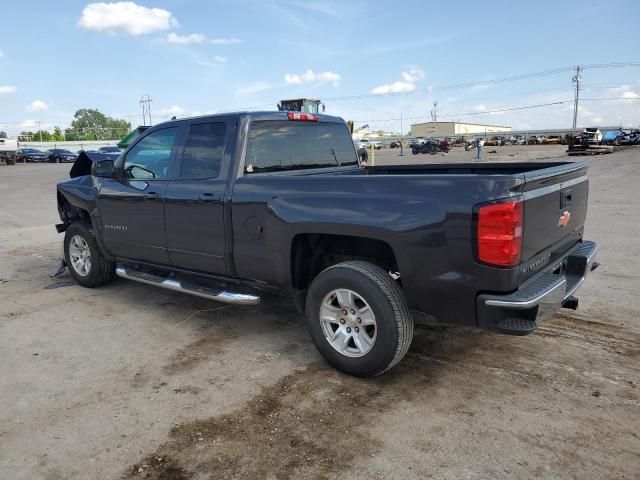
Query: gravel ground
x=136 y=382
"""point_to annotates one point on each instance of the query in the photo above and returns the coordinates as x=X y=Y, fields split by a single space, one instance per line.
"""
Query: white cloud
x=630 y=94
x=125 y=17
x=256 y=87
x=7 y=89
x=174 y=110
x=37 y=106
x=1 y=54
x=310 y=76
x=186 y=39
x=224 y=41
x=396 y=87
x=407 y=84
x=413 y=75
x=209 y=62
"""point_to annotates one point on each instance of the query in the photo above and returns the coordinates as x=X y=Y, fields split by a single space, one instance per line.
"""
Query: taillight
x=302 y=117
x=500 y=233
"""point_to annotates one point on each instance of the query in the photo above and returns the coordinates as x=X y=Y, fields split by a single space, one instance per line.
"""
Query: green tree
x=57 y=135
x=25 y=136
x=41 y=136
x=3 y=134
x=91 y=124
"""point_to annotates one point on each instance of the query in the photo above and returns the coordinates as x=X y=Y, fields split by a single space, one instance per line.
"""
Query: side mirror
x=103 y=168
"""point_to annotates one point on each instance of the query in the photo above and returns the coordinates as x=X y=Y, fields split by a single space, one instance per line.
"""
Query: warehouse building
x=455 y=129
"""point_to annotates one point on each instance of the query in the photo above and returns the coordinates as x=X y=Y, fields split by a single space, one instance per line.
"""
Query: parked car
x=395 y=144
x=552 y=140
x=60 y=155
x=25 y=155
x=534 y=139
x=417 y=142
x=520 y=140
x=492 y=142
x=366 y=143
x=109 y=149
x=628 y=137
x=593 y=135
x=8 y=149
x=286 y=209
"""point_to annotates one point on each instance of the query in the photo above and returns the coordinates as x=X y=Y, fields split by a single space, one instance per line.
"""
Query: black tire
x=10 y=160
x=415 y=151
x=394 y=323
x=102 y=271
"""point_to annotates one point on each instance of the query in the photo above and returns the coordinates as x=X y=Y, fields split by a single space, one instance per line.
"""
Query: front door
x=194 y=200
x=132 y=206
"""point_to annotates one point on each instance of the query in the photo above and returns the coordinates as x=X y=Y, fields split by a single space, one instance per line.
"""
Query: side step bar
x=192 y=289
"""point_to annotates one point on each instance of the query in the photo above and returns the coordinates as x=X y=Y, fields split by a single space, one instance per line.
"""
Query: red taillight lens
x=500 y=233
x=302 y=117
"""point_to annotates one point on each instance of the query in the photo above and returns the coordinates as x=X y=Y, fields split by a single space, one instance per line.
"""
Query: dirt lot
x=135 y=382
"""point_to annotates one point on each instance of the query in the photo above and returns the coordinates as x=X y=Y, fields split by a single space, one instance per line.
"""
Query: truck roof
x=264 y=115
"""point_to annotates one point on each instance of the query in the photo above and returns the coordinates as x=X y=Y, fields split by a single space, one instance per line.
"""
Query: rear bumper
x=539 y=297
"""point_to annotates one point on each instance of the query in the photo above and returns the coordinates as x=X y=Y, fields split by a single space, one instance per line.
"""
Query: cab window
x=149 y=158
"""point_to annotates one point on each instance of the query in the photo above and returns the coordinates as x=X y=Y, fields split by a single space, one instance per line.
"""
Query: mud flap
x=61 y=269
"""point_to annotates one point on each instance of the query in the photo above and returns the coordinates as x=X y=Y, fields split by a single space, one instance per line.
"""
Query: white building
x=455 y=129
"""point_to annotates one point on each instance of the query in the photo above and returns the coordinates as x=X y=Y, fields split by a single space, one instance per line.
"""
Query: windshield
x=276 y=145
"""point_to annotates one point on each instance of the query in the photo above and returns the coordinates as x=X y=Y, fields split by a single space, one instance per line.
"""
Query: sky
x=369 y=61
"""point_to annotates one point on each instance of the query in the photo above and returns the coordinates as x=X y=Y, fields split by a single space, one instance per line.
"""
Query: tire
x=10 y=160
x=100 y=270
x=375 y=297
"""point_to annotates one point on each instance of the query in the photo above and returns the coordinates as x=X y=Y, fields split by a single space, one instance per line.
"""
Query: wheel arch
x=311 y=253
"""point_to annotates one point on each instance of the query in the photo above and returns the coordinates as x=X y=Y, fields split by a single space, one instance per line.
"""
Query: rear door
x=131 y=205
x=194 y=200
x=555 y=209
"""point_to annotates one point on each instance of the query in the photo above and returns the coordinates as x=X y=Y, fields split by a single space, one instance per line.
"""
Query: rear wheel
x=358 y=318
x=87 y=264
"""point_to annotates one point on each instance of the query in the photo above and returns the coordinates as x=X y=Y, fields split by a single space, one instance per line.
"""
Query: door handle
x=208 y=198
x=151 y=195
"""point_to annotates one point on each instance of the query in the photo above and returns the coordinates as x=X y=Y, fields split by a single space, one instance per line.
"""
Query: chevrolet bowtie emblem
x=564 y=219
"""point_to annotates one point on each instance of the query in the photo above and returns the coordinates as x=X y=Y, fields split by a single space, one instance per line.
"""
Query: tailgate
x=555 y=208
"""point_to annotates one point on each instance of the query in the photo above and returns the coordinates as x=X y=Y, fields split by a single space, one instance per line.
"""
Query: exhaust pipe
x=570 y=302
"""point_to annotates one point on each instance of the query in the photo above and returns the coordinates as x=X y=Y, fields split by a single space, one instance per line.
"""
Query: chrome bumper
x=541 y=296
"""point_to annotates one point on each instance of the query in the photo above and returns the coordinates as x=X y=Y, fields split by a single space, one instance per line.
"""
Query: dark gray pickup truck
x=228 y=206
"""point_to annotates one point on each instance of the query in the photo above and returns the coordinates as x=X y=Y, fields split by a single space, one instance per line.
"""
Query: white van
x=8 y=148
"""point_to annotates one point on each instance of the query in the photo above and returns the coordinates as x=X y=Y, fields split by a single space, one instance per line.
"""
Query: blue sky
x=196 y=57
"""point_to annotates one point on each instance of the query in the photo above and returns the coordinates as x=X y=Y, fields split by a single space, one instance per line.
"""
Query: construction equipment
x=306 y=105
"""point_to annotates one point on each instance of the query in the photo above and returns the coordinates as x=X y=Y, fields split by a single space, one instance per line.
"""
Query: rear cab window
x=283 y=145
x=203 y=151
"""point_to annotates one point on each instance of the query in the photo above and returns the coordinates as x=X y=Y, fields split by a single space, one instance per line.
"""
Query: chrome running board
x=192 y=289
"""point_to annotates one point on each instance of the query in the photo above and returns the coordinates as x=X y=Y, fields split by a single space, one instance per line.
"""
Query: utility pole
x=401 y=154
x=434 y=117
x=576 y=79
x=145 y=104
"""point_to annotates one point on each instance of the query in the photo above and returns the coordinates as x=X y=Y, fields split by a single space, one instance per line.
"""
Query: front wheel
x=358 y=318
x=87 y=264
x=415 y=151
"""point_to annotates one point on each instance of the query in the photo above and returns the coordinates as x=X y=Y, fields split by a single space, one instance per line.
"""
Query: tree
x=41 y=136
x=25 y=136
x=57 y=135
x=3 y=134
x=91 y=124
